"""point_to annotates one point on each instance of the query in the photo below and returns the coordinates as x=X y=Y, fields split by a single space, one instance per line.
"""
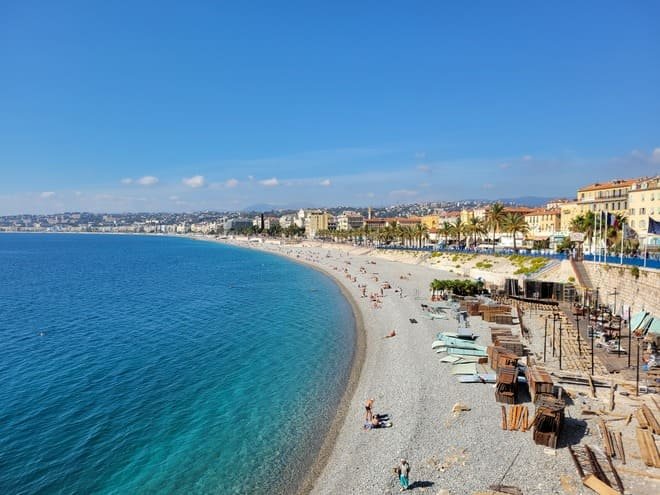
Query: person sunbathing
x=378 y=421
x=391 y=334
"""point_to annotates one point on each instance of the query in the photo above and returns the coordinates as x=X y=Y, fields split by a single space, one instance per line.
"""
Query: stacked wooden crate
x=489 y=312
x=539 y=382
x=504 y=338
x=499 y=356
x=548 y=420
x=506 y=387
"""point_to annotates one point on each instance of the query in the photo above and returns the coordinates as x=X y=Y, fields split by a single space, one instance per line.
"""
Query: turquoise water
x=133 y=365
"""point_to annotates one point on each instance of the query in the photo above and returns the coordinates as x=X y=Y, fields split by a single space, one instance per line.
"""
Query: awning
x=654 y=327
x=637 y=320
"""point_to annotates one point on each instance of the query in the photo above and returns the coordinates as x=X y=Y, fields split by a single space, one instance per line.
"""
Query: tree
x=457 y=229
x=494 y=218
x=515 y=223
x=420 y=232
x=445 y=231
x=475 y=227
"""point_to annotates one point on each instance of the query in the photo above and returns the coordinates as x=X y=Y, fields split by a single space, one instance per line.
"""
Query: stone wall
x=641 y=292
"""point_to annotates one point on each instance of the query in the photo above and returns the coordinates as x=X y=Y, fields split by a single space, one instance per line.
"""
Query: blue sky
x=181 y=106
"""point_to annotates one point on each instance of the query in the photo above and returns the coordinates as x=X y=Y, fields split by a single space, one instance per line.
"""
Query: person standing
x=403 y=470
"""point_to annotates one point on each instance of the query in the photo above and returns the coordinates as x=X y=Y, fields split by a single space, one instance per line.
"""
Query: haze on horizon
x=165 y=106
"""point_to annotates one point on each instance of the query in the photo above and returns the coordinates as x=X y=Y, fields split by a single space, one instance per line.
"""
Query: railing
x=613 y=260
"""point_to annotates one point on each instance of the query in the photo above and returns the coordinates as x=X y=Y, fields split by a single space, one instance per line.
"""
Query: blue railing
x=614 y=260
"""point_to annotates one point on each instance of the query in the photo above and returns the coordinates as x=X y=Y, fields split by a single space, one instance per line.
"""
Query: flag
x=654 y=227
x=612 y=221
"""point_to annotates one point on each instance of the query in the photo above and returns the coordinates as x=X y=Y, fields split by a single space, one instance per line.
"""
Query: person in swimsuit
x=368 y=414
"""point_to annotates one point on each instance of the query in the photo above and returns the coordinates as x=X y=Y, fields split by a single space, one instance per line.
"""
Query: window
x=642 y=224
x=642 y=211
x=632 y=211
x=632 y=223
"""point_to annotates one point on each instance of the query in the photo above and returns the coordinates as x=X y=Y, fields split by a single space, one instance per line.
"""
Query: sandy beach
x=462 y=453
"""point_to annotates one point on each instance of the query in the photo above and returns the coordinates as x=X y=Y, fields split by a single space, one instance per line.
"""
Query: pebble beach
x=449 y=452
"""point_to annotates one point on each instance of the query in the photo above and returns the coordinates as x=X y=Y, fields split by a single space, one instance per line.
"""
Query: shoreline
x=327 y=447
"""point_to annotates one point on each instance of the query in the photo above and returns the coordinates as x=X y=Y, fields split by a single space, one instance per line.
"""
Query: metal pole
x=592 y=349
x=577 y=326
x=560 y=345
x=637 y=379
x=629 y=337
x=545 y=337
x=554 y=321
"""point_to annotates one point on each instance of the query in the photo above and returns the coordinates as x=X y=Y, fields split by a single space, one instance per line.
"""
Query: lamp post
x=592 y=330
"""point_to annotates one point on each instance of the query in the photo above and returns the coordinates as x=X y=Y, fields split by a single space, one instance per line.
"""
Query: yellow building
x=605 y=196
x=316 y=221
x=431 y=221
x=466 y=215
x=643 y=202
x=543 y=222
x=568 y=211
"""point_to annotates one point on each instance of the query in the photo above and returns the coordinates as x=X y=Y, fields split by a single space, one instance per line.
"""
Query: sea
x=160 y=365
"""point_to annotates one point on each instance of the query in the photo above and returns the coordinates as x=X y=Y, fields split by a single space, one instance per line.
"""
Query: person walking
x=403 y=470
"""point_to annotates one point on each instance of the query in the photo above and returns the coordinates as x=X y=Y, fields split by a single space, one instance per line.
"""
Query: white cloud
x=127 y=180
x=231 y=183
x=47 y=194
x=250 y=178
x=174 y=198
x=487 y=185
x=194 y=181
x=527 y=158
x=655 y=155
x=420 y=155
x=424 y=168
x=147 y=180
x=504 y=166
x=270 y=182
x=325 y=182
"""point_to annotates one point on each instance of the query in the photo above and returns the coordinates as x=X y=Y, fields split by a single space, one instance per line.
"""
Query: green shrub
x=634 y=271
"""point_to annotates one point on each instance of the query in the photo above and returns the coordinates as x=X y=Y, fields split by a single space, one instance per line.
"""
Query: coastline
x=461 y=453
x=327 y=447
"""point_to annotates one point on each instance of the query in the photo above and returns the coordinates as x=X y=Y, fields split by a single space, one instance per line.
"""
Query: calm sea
x=135 y=365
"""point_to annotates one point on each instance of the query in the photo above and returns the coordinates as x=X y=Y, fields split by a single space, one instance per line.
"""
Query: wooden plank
x=619 y=438
x=504 y=423
x=641 y=419
x=650 y=419
x=637 y=472
x=598 y=486
x=591 y=386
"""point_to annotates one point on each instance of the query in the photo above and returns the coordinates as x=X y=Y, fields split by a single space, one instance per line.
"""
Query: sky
x=206 y=105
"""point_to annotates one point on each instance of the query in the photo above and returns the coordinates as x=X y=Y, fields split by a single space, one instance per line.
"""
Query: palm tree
x=445 y=231
x=475 y=227
x=494 y=218
x=584 y=224
x=514 y=223
x=457 y=229
x=420 y=231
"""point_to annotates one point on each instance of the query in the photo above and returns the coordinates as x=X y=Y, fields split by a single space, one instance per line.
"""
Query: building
x=542 y=221
x=610 y=196
x=316 y=221
x=466 y=215
x=350 y=221
x=237 y=224
x=431 y=222
x=375 y=223
x=643 y=203
x=567 y=212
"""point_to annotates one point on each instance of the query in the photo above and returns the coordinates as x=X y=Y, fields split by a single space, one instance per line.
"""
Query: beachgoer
x=367 y=406
x=391 y=334
x=404 y=472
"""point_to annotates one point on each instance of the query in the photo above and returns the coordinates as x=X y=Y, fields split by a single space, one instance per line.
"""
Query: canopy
x=654 y=326
x=637 y=320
